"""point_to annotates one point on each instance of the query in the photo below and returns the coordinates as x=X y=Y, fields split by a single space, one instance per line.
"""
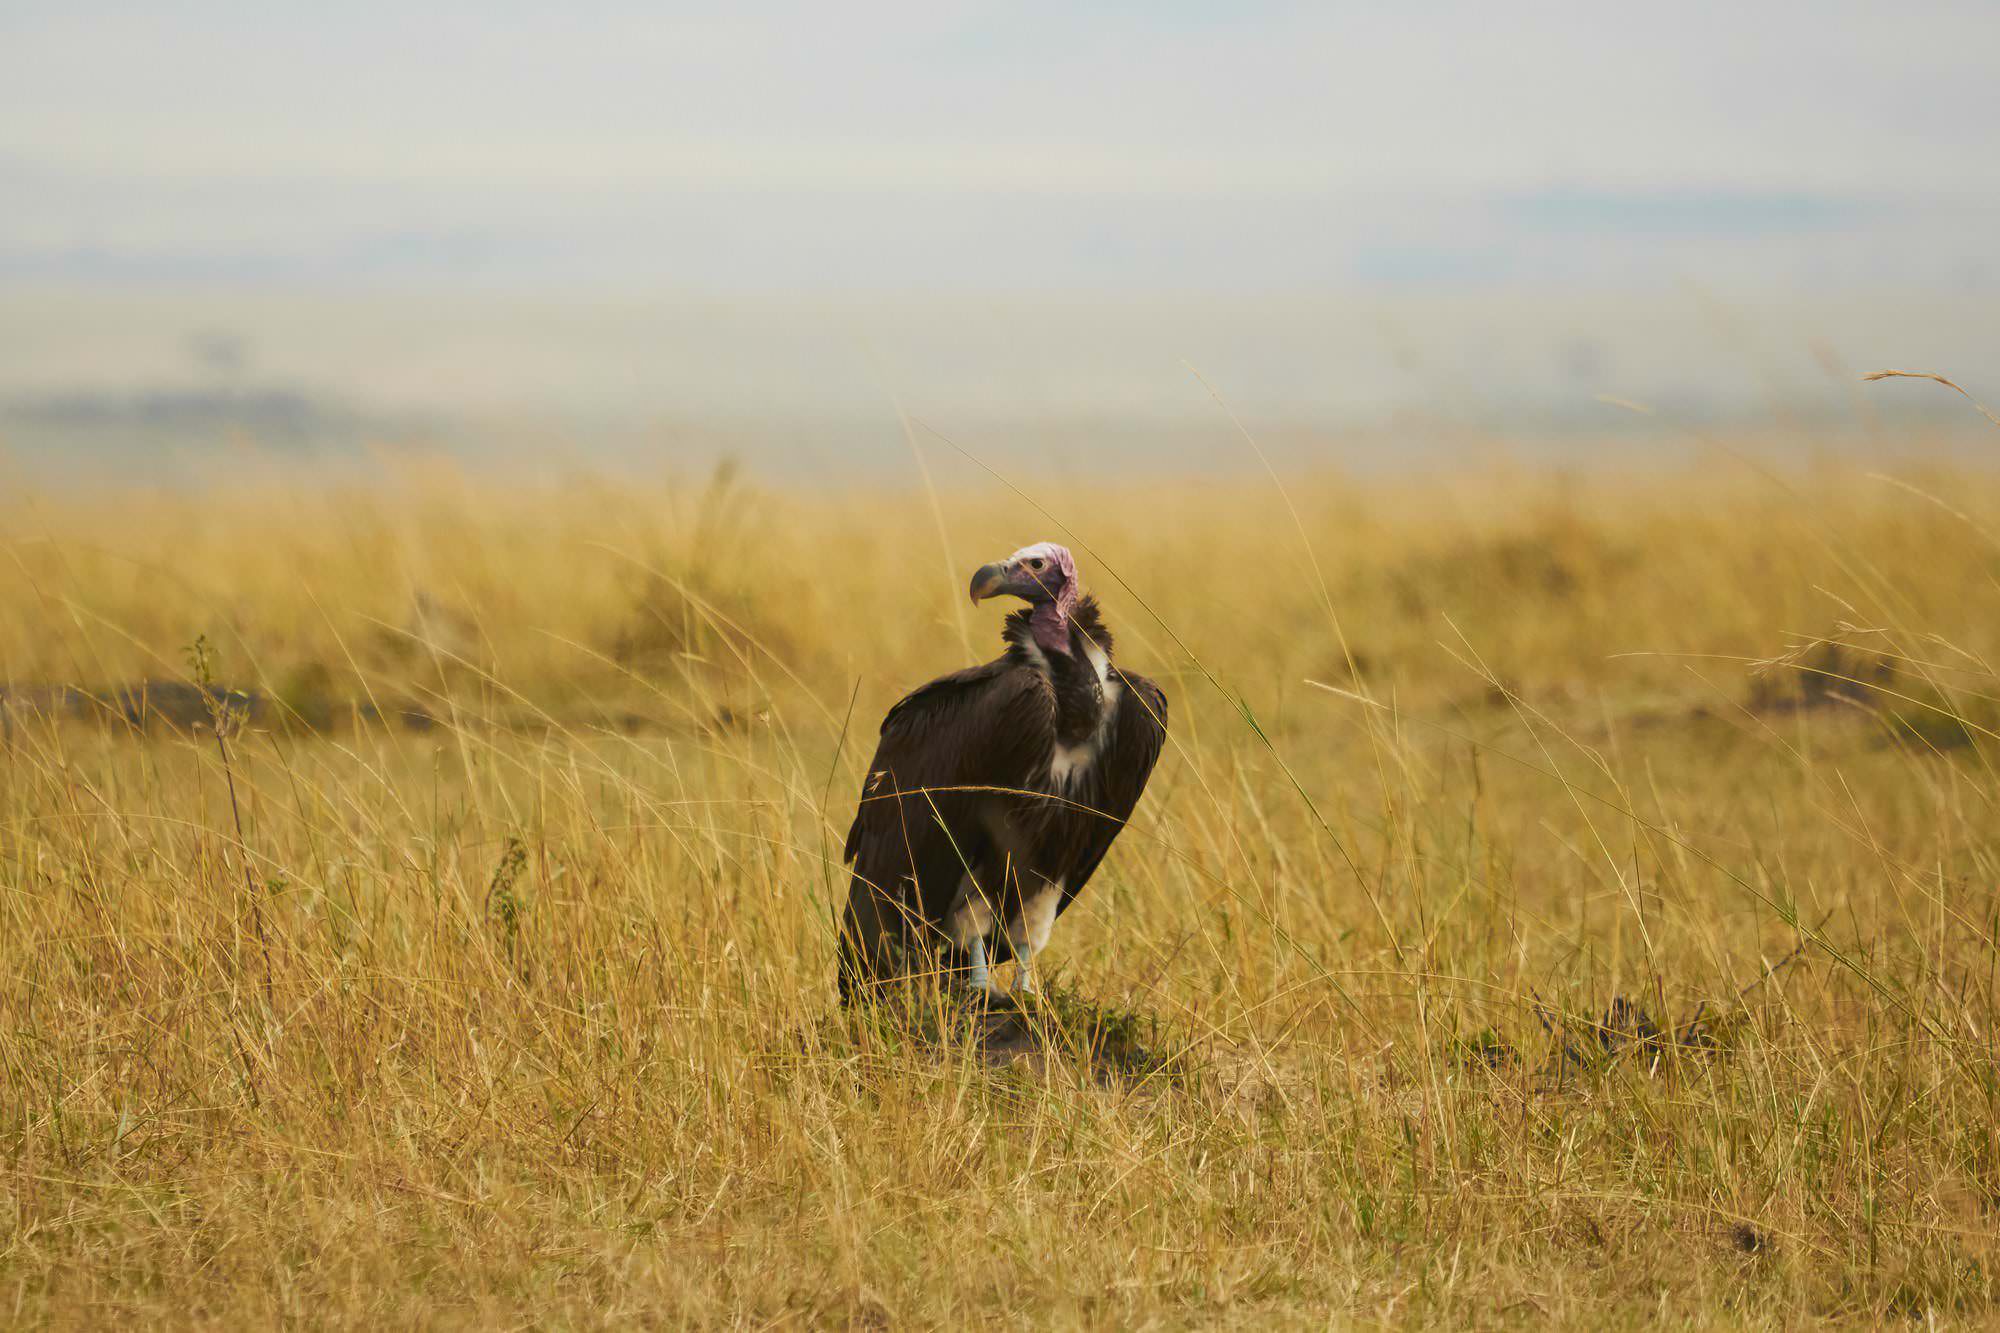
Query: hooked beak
x=988 y=581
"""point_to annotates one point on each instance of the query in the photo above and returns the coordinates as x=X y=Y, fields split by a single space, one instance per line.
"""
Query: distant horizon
x=597 y=219
x=1320 y=356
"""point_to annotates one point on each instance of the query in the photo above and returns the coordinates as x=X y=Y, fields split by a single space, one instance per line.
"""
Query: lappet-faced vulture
x=997 y=790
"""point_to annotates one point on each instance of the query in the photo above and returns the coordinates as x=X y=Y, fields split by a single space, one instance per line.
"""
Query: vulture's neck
x=1079 y=676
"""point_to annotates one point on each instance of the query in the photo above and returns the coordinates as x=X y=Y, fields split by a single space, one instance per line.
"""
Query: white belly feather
x=1071 y=763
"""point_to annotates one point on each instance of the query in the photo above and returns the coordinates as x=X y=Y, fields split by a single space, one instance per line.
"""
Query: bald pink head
x=1043 y=575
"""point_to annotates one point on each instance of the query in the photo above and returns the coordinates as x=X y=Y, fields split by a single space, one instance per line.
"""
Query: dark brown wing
x=945 y=748
x=1138 y=732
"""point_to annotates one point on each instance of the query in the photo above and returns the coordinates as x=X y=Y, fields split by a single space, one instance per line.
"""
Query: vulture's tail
x=869 y=934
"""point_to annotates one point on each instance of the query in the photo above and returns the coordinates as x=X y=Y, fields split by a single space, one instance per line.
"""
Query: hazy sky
x=813 y=213
x=1158 y=145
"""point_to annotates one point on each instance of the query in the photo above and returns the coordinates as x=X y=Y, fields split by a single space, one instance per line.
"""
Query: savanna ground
x=1565 y=898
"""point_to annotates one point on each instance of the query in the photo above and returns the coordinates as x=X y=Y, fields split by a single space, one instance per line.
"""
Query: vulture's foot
x=976 y=983
x=996 y=1005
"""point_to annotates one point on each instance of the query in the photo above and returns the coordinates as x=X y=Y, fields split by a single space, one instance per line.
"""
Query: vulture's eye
x=1036 y=565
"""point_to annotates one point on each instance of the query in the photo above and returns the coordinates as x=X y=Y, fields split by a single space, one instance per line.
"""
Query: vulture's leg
x=1024 y=974
x=968 y=923
x=1029 y=932
x=982 y=978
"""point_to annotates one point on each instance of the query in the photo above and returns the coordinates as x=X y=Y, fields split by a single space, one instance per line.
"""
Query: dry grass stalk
x=549 y=1037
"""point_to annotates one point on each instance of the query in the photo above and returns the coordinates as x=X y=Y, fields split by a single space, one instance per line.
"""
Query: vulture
x=995 y=791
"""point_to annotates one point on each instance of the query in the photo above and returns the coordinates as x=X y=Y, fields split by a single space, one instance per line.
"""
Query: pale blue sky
x=855 y=146
x=808 y=213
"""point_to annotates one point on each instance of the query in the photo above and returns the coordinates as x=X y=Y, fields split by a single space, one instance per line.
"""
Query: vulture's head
x=1043 y=576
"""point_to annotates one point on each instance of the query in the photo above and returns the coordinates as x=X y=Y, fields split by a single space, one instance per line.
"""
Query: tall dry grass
x=1597 y=926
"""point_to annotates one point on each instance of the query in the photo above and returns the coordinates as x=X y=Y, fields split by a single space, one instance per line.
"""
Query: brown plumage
x=996 y=791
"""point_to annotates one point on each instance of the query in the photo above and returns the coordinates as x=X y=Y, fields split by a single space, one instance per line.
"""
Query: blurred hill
x=92 y=376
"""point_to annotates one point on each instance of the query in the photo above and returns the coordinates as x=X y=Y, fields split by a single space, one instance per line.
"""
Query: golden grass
x=548 y=1034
